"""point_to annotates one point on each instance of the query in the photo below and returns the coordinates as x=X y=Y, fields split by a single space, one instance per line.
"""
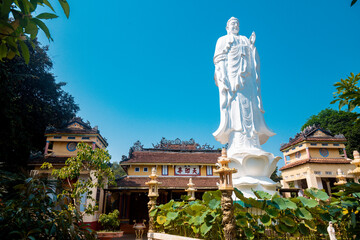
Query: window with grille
x=165 y=170
x=209 y=170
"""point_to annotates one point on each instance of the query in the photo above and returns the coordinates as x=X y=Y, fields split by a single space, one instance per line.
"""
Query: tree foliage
x=275 y=177
x=18 y=22
x=117 y=170
x=348 y=93
x=30 y=100
x=93 y=162
x=31 y=210
x=339 y=122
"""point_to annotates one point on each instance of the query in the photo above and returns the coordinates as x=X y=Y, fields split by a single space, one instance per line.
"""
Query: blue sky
x=143 y=70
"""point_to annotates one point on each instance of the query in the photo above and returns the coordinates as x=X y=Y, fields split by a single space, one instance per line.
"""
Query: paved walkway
x=131 y=237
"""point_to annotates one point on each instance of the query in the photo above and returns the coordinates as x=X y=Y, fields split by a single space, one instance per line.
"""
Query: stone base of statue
x=254 y=166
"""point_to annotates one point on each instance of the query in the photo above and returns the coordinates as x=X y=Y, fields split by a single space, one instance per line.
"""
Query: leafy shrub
x=110 y=222
x=30 y=209
x=268 y=217
x=199 y=218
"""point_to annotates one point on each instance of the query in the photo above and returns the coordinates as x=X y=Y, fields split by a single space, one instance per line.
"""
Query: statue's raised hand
x=252 y=38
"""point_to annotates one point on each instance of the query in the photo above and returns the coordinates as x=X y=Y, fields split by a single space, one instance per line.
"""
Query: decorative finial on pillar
x=356 y=162
x=225 y=173
x=153 y=184
x=191 y=190
x=341 y=178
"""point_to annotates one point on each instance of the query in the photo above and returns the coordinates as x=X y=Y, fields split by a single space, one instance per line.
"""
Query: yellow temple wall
x=302 y=146
x=333 y=153
x=303 y=171
x=303 y=155
x=131 y=170
x=59 y=149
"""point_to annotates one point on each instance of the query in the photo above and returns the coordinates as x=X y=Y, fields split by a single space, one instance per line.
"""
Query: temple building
x=61 y=144
x=175 y=162
x=312 y=159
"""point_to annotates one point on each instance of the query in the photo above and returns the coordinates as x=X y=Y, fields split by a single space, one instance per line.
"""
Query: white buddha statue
x=242 y=124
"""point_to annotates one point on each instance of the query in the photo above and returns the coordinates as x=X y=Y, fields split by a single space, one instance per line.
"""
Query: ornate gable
x=319 y=133
x=77 y=123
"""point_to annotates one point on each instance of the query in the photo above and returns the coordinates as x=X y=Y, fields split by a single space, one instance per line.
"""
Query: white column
x=319 y=183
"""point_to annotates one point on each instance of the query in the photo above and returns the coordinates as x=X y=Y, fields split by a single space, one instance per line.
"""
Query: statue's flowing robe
x=239 y=87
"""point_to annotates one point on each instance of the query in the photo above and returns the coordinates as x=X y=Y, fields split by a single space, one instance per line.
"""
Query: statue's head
x=232 y=26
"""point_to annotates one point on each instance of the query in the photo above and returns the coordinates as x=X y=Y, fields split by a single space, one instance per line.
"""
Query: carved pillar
x=153 y=195
x=128 y=204
x=226 y=188
x=46 y=147
x=151 y=206
x=345 y=155
x=165 y=195
x=102 y=201
x=228 y=220
x=308 y=153
x=121 y=205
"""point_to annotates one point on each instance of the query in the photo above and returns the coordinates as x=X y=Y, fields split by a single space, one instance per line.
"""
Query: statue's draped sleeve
x=222 y=48
x=256 y=60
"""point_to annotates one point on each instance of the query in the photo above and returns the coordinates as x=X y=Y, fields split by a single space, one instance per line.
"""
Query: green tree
x=30 y=100
x=96 y=162
x=274 y=176
x=118 y=170
x=339 y=122
x=348 y=93
x=18 y=22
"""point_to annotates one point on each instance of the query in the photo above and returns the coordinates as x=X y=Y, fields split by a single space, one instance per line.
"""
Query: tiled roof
x=168 y=182
x=308 y=135
x=65 y=129
x=204 y=157
x=321 y=139
x=73 y=131
x=316 y=160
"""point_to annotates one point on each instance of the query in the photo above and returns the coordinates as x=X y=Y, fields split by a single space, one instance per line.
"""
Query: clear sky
x=143 y=70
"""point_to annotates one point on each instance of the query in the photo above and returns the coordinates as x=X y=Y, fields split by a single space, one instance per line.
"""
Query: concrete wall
x=163 y=236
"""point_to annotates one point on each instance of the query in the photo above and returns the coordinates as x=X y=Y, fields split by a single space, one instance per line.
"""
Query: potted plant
x=110 y=224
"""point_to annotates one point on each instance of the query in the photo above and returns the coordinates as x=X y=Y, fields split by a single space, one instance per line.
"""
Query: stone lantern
x=153 y=184
x=226 y=188
x=153 y=194
x=341 y=178
x=356 y=162
x=191 y=190
x=225 y=173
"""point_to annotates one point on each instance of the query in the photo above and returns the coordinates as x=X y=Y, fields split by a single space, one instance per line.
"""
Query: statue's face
x=233 y=27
